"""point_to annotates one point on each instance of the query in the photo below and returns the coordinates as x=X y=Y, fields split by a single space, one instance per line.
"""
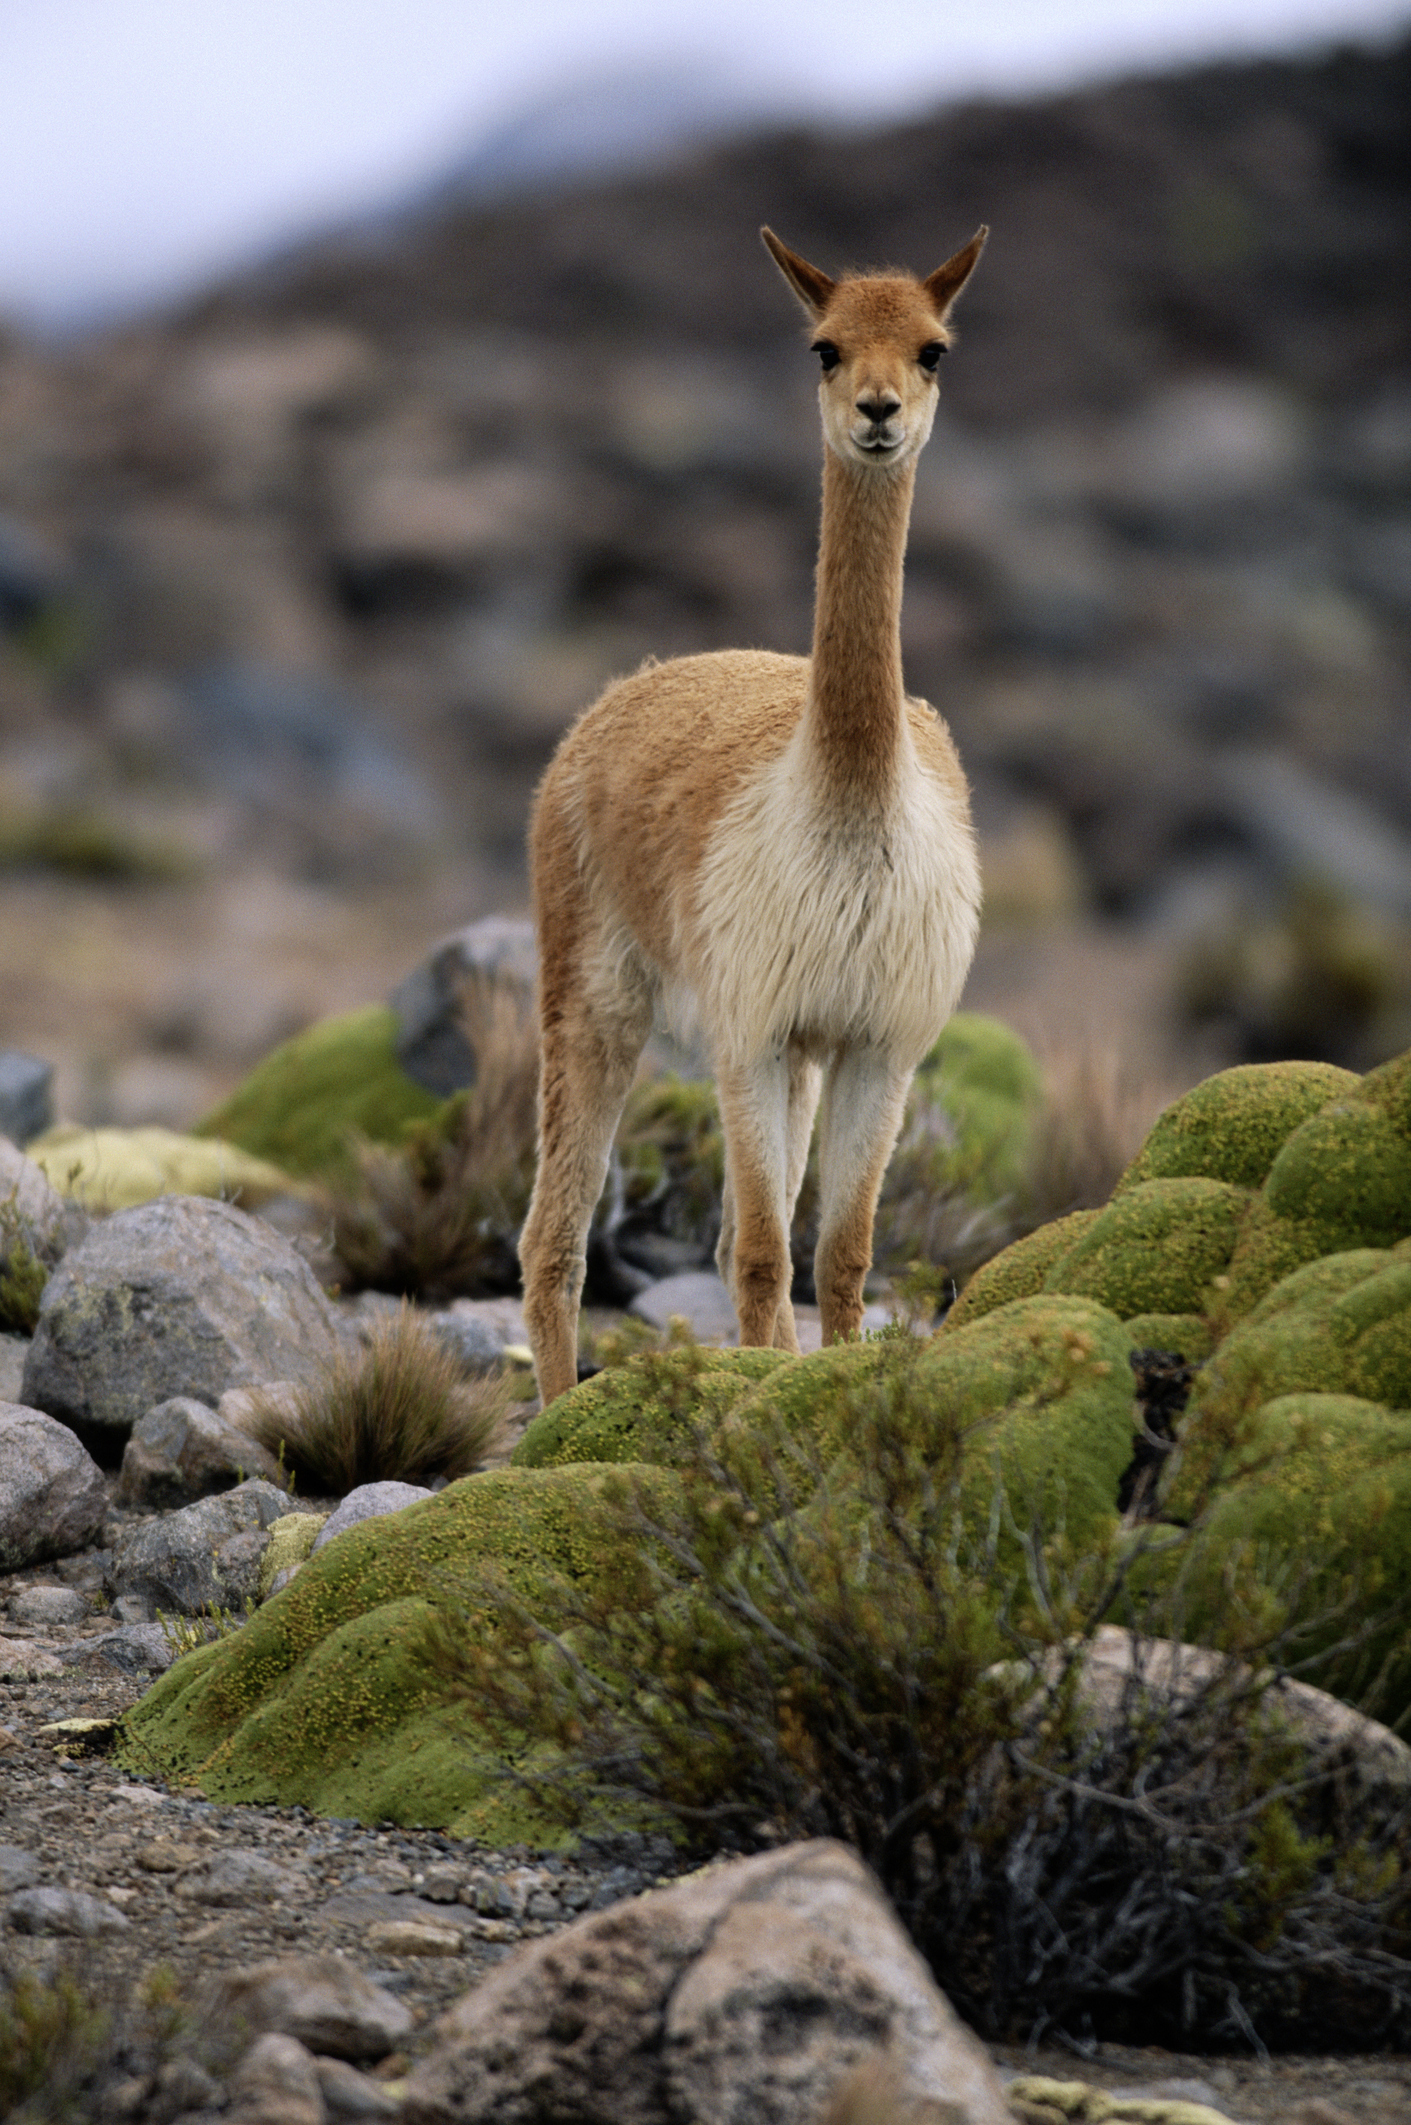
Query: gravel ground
x=147 y=1853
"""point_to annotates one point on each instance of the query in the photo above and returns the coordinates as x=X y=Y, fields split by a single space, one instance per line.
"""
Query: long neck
x=855 y=687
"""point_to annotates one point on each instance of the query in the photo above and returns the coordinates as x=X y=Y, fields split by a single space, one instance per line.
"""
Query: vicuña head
x=879 y=339
x=772 y=853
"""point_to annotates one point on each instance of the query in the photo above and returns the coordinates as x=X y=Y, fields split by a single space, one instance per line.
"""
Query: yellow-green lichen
x=641 y=1410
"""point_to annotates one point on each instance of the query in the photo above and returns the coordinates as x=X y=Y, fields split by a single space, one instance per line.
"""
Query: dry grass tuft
x=401 y=1411
x=439 y=1218
x=1092 y=1124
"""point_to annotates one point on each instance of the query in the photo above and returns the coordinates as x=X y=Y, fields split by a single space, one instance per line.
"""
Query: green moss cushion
x=1339 y=1325
x=639 y=1411
x=1019 y=1271
x=1312 y=1492
x=988 y=1085
x=1231 y=1127
x=302 y=1104
x=1187 y=1334
x=316 y=1702
x=1156 y=1248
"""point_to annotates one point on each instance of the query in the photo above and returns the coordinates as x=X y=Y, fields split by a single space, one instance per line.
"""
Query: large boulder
x=206 y=1556
x=752 y=1990
x=52 y=1496
x=181 y=1296
x=433 y=1038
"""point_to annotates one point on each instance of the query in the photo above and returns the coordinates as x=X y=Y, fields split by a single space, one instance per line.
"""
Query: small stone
x=52 y=1497
x=326 y=2002
x=51 y=1608
x=368 y=1502
x=414 y=1936
x=441 y=1884
x=240 y=1876
x=133 y=1649
x=64 y=1912
x=163 y=1855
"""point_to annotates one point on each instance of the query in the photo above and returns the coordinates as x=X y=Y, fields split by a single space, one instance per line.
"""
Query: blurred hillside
x=298 y=588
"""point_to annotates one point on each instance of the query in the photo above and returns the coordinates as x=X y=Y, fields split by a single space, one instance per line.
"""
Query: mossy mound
x=1232 y=1127
x=116 y=1169
x=317 y=1702
x=1339 y=1325
x=1155 y=1249
x=1313 y=1492
x=1187 y=1334
x=305 y=1103
x=1019 y=1272
x=639 y=1411
x=985 y=1080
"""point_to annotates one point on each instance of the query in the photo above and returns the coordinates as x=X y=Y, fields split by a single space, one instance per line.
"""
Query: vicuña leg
x=756 y=1111
x=864 y=1097
x=586 y=1068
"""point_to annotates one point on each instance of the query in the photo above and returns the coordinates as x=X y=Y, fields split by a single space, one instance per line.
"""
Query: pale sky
x=148 y=145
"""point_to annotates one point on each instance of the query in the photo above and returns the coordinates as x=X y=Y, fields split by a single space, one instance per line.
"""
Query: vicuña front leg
x=754 y=1249
x=585 y=1073
x=863 y=1101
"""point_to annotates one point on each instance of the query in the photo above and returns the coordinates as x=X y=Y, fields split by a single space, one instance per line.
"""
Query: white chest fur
x=828 y=926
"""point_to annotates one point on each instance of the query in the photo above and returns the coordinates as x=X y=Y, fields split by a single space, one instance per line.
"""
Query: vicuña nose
x=878 y=408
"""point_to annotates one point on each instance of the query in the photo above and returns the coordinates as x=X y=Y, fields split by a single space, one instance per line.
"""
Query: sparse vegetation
x=54 y=2033
x=438 y=1216
x=797 y=1647
x=402 y=1410
x=22 y=1275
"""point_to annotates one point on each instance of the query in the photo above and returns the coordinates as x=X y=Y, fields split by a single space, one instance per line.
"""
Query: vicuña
x=773 y=853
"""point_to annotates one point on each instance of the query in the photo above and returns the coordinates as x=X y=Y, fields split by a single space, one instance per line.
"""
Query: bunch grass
x=401 y=1410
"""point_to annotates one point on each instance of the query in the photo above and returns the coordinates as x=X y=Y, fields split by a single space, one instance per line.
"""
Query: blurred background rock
x=300 y=582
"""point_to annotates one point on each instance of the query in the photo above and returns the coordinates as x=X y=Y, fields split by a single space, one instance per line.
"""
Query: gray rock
x=52 y=1497
x=63 y=1911
x=18 y=1869
x=133 y=1649
x=234 y=1878
x=699 y=1296
x=26 y=1095
x=432 y=1045
x=368 y=1502
x=320 y=1999
x=190 y=1559
x=276 y=2083
x=48 y=1608
x=183 y=1450
x=478 y=1343
x=750 y=1990
x=181 y=1296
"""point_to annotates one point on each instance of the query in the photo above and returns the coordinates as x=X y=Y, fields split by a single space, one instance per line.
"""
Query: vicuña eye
x=827 y=354
x=931 y=353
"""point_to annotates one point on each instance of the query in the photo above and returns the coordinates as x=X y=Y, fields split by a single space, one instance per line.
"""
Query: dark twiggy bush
x=792 y=1647
x=401 y=1410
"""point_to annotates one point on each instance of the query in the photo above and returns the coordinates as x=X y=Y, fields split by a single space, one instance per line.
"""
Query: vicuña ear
x=813 y=289
x=947 y=281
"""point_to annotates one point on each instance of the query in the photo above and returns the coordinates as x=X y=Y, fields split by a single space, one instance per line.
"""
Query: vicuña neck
x=855 y=680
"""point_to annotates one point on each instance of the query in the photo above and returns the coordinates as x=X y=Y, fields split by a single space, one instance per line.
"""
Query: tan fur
x=773 y=853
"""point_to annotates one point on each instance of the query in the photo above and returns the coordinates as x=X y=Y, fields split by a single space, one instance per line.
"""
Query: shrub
x=794 y=1646
x=438 y=1216
x=402 y=1410
x=53 y=2033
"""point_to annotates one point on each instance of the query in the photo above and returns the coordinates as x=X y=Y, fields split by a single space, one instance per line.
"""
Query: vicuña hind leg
x=585 y=1071
x=755 y=1113
x=863 y=1101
